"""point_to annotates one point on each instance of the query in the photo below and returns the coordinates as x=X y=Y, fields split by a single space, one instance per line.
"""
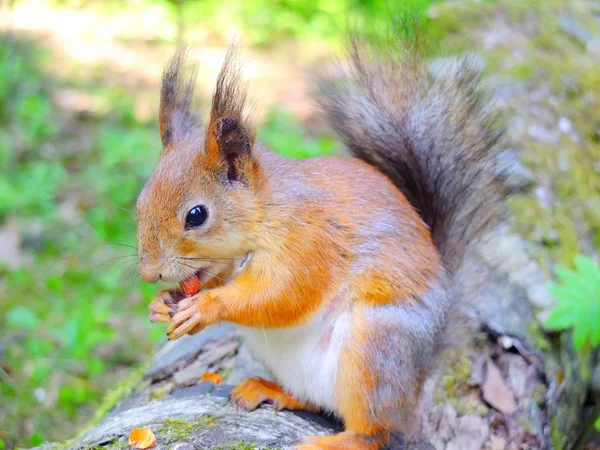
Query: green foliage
x=61 y=309
x=264 y=22
x=578 y=295
x=287 y=137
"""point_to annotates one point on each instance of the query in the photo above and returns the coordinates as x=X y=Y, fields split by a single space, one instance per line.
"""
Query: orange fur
x=355 y=376
x=343 y=441
x=357 y=380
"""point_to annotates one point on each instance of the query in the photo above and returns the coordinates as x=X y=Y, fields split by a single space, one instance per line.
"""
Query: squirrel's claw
x=156 y=317
x=186 y=319
x=183 y=315
x=164 y=305
x=183 y=329
x=253 y=392
x=246 y=396
x=159 y=310
x=159 y=307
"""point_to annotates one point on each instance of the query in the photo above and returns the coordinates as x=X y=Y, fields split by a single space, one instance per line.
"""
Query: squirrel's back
x=430 y=131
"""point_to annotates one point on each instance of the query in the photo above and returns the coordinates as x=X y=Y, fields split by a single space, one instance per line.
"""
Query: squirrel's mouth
x=193 y=284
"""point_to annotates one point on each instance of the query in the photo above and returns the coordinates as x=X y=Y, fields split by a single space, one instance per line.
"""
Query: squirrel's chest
x=304 y=359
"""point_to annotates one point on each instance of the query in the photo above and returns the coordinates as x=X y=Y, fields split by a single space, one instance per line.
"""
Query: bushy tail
x=429 y=129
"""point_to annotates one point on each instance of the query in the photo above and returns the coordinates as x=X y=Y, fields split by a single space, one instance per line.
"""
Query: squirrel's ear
x=229 y=140
x=177 y=118
x=230 y=133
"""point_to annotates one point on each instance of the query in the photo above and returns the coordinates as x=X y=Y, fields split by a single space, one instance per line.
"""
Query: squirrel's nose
x=149 y=275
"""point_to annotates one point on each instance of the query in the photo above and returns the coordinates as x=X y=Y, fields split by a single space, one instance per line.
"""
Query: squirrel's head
x=200 y=205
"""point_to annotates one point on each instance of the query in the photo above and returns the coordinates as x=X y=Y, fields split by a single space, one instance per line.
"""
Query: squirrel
x=342 y=272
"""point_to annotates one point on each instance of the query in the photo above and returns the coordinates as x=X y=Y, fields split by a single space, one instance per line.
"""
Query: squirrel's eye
x=196 y=217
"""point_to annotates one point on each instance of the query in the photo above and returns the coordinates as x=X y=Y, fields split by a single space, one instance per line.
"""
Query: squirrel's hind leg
x=381 y=371
x=253 y=392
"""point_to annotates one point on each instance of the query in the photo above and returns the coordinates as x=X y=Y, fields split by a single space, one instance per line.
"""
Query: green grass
x=72 y=320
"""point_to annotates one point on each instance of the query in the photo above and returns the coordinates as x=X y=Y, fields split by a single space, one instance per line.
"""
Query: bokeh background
x=79 y=84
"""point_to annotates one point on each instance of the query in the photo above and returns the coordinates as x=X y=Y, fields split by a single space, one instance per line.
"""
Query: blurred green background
x=79 y=83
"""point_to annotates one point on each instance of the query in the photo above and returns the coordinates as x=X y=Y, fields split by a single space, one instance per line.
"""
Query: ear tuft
x=177 y=117
x=232 y=137
x=233 y=141
x=230 y=127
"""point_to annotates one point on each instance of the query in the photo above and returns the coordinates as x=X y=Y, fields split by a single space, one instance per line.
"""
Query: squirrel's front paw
x=161 y=308
x=192 y=314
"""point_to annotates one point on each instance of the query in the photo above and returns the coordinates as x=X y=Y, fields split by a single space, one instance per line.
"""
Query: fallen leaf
x=212 y=425
x=495 y=391
x=213 y=377
x=142 y=438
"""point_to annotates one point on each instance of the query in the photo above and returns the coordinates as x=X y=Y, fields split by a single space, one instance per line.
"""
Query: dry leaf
x=142 y=438
x=495 y=391
x=213 y=377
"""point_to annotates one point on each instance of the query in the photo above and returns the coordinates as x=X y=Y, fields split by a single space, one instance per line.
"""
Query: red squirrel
x=341 y=271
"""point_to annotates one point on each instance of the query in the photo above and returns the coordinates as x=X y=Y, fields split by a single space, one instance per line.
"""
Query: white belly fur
x=304 y=359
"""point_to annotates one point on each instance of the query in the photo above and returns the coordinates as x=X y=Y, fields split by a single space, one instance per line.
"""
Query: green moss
x=525 y=424
x=538 y=337
x=453 y=388
x=456 y=380
x=448 y=25
x=522 y=70
x=547 y=55
x=565 y=168
x=465 y=408
x=179 y=429
x=239 y=446
x=224 y=373
x=161 y=391
x=115 y=444
x=539 y=395
x=557 y=439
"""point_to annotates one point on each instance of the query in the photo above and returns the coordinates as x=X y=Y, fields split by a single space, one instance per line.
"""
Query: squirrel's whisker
x=129 y=267
x=204 y=259
x=224 y=280
x=122 y=245
x=113 y=258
